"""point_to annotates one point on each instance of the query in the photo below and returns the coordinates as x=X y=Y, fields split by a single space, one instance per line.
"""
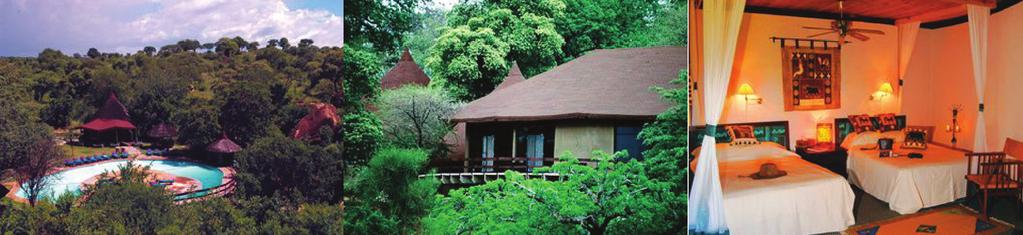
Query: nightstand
x=830 y=158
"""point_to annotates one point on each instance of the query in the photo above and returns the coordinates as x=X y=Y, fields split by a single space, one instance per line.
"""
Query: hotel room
x=856 y=116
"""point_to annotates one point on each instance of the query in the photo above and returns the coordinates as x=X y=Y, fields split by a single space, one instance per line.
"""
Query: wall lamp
x=747 y=92
x=884 y=91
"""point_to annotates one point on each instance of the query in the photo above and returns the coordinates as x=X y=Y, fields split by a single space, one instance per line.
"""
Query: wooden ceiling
x=933 y=13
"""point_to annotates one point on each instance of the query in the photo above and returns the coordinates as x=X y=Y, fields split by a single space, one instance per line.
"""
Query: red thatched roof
x=603 y=84
x=223 y=145
x=112 y=115
x=404 y=73
x=319 y=113
x=162 y=130
x=514 y=76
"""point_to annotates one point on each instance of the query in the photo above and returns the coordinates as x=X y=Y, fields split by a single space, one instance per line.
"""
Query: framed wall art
x=812 y=78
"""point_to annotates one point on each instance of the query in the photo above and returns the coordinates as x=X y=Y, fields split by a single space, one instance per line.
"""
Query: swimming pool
x=70 y=181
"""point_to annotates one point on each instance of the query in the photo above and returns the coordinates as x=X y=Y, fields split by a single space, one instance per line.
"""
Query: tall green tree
x=239 y=102
x=378 y=23
x=389 y=196
x=471 y=61
x=417 y=117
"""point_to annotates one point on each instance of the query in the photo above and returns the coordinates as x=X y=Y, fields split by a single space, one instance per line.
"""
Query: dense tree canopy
x=614 y=197
x=279 y=166
x=388 y=195
x=378 y=23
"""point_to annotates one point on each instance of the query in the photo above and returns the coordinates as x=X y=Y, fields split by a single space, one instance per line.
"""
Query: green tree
x=389 y=190
x=93 y=53
x=362 y=137
x=214 y=216
x=361 y=79
x=126 y=206
x=198 y=125
x=279 y=166
x=19 y=130
x=667 y=147
x=381 y=24
x=471 y=61
x=416 y=117
x=614 y=197
x=227 y=47
x=239 y=102
x=149 y=50
x=189 y=45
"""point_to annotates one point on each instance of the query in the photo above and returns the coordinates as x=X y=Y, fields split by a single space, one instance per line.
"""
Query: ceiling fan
x=844 y=28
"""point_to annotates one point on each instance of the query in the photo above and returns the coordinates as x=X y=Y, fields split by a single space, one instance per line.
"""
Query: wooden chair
x=996 y=175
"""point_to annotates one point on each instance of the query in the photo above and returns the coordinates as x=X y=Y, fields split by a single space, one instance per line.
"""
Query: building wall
x=865 y=66
x=945 y=78
x=583 y=139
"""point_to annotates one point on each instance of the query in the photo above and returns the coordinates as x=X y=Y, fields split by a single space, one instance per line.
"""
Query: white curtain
x=907 y=40
x=978 y=17
x=721 y=20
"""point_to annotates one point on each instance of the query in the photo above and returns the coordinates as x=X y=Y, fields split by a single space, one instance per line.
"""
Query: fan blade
x=873 y=31
x=821 y=28
x=819 y=34
x=859 y=36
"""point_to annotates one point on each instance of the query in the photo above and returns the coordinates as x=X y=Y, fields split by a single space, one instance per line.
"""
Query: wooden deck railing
x=197 y=195
x=499 y=164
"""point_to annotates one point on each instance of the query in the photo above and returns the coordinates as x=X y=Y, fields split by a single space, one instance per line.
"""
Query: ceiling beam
x=987 y=3
x=936 y=15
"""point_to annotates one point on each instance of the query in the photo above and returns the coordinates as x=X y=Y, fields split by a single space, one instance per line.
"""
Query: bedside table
x=832 y=159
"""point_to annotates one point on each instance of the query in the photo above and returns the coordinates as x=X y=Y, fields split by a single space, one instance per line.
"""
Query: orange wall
x=941 y=75
x=865 y=66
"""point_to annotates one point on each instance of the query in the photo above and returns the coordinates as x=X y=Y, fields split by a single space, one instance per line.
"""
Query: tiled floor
x=869 y=209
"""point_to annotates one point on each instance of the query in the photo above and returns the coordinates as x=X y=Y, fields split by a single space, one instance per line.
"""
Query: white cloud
x=26 y=27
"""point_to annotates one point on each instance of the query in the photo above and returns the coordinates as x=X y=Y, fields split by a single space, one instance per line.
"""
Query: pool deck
x=134 y=154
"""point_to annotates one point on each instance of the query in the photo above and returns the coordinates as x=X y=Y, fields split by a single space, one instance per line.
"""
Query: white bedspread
x=809 y=200
x=910 y=184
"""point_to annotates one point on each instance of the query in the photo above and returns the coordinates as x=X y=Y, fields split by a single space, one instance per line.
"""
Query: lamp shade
x=825 y=132
x=886 y=88
x=745 y=89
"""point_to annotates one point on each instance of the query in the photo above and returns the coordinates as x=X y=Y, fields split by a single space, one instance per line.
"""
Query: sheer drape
x=721 y=20
x=907 y=40
x=978 y=18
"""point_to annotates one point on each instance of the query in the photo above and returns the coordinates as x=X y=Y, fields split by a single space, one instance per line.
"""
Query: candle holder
x=954 y=127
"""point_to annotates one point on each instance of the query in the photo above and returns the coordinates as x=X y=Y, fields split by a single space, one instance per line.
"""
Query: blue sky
x=126 y=26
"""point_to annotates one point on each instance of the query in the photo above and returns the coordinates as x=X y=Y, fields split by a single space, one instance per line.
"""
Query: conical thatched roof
x=514 y=76
x=111 y=115
x=223 y=145
x=404 y=73
x=162 y=130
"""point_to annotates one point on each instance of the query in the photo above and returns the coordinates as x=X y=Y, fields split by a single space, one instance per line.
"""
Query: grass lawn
x=79 y=151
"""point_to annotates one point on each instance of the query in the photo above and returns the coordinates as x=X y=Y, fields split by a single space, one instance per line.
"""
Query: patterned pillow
x=887 y=122
x=861 y=123
x=916 y=138
x=742 y=134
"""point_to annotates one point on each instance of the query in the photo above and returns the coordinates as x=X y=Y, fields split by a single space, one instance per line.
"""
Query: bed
x=781 y=205
x=906 y=184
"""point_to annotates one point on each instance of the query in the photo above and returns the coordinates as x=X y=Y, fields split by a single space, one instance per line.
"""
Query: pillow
x=727 y=152
x=857 y=139
x=916 y=138
x=861 y=123
x=887 y=122
x=742 y=135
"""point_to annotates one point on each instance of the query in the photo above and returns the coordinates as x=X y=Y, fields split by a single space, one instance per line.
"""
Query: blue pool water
x=70 y=181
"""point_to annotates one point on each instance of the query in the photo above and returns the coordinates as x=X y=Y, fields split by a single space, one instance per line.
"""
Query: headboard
x=843 y=127
x=777 y=132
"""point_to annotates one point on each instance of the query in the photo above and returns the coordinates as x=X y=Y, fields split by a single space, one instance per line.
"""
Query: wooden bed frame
x=776 y=131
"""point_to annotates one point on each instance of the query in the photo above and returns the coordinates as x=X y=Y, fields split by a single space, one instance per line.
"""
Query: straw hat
x=768 y=171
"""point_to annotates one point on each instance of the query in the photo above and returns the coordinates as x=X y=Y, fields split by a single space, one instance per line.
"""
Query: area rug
x=955 y=219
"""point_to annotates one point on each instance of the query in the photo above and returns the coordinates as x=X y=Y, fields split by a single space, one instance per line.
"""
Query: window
x=488 y=153
x=534 y=151
x=627 y=138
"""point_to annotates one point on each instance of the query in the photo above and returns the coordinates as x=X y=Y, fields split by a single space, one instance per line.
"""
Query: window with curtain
x=534 y=151
x=488 y=153
x=627 y=138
